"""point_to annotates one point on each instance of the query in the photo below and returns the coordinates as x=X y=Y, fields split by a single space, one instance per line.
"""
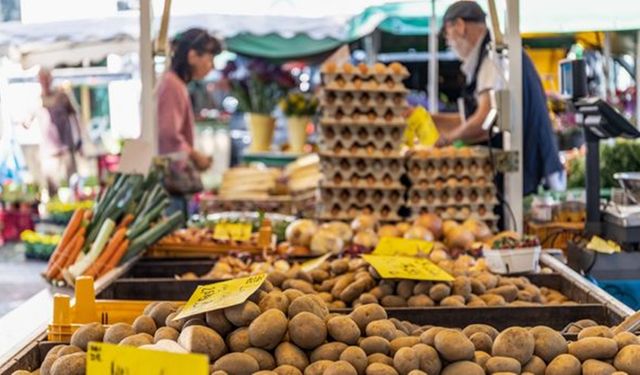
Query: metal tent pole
x=513 y=141
x=433 y=60
x=638 y=78
x=149 y=129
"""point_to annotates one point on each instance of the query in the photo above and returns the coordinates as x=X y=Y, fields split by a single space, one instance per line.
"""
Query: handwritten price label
x=109 y=359
x=400 y=267
x=232 y=231
x=391 y=246
x=220 y=295
x=312 y=264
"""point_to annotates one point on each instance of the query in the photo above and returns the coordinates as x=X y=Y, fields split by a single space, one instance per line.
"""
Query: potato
x=403 y=342
x=356 y=357
x=243 y=314
x=380 y=358
x=340 y=266
x=70 y=364
x=503 y=364
x=484 y=328
x=405 y=288
x=117 y=332
x=514 y=342
x=329 y=351
x=53 y=355
x=317 y=368
x=236 y=364
x=287 y=370
x=276 y=278
x=264 y=358
x=462 y=287
x=274 y=300
x=421 y=300
x=481 y=341
x=628 y=359
x=480 y=358
x=341 y=283
x=366 y=298
x=165 y=333
x=508 y=292
x=354 y=290
x=343 y=329
x=477 y=287
x=199 y=339
x=625 y=339
x=308 y=303
x=453 y=301
x=428 y=336
x=489 y=280
x=535 y=366
x=363 y=315
x=439 y=291
x=268 y=329
x=375 y=344
x=428 y=359
x=137 y=340
x=238 y=340
x=593 y=348
x=564 y=364
x=422 y=287
x=218 y=322
x=288 y=354
x=145 y=324
x=160 y=311
x=382 y=328
x=307 y=330
x=595 y=367
x=178 y=325
x=340 y=368
x=380 y=369
x=405 y=360
x=548 y=343
x=463 y=368
x=393 y=301
x=596 y=331
x=454 y=346
x=86 y=333
x=193 y=322
x=292 y=294
x=493 y=300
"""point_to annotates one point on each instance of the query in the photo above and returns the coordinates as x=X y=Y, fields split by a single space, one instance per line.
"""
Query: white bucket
x=509 y=261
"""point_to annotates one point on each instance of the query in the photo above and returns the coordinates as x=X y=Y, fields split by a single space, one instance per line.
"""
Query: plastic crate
x=626 y=291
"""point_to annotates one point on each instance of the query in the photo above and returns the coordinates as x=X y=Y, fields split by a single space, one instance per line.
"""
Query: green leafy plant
x=621 y=156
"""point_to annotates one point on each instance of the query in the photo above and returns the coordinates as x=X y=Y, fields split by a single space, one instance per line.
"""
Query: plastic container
x=510 y=261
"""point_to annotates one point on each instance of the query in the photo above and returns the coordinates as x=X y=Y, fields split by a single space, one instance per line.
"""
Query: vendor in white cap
x=467 y=35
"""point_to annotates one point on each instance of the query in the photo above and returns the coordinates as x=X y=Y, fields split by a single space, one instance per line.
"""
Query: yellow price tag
x=109 y=359
x=312 y=264
x=603 y=246
x=402 y=246
x=232 y=231
x=399 y=267
x=220 y=295
x=420 y=125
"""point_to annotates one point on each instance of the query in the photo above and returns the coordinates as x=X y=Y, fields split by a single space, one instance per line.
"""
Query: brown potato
x=86 y=333
x=218 y=322
x=340 y=368
x=596 y=331
x=549 y=343
x=330 y=351
x=484 y=328
x=238 y=340
x=199 y=339
x=356 y=357
x=564 y=364
x=628 y=360
x=405 y=288
x=481 y=341
x=287 y=370
x=535 y=366
x=289 y=354
x=380 y=358
x=354 y=290
x=428 y=359
x=160 y=311
x=595 y=367
x=493 y=299
x=480 y=358
x=342 y=328
x=175 y=324
x=393 y=301
x=165 y=333
x=318 y=368
x=503 y=364
x=403 y=342
x=439 y=291
x=514 y=342
x=236 y=364
x=144 y=324
x=308 y=303
x=117 y=332
x=380 y=369
x=405 y=360
x=454 y=345
x=70 y=364
x=363 y=315
x=453 y=301
x=293 y=294
x=420 y=300
x=307 y=330
x=243 y=314
x=137 y=340
x=268 y=329
x=274 y=300
x=593 y=348
x=463 y=367
x=462 y=287
x=264 y=358
x=626 y=338
x=375 y=344
x=508 y=292
x=382 y=328
x=428 y=336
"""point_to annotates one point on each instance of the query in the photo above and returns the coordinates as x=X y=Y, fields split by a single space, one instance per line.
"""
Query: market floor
x=19 y=277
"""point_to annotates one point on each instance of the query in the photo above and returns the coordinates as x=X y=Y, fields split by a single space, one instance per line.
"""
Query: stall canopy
x=290 y=28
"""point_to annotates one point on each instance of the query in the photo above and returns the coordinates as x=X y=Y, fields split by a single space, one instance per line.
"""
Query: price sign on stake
x=220 y=295
x=109 y=359
x=312 y=264
x=401 y=246
x=232 y=231
x=399 y=267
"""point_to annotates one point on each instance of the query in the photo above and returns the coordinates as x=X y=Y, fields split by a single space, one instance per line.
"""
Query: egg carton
x=453 y=182
x=368 y=86
x=361 y=169
x=370 y=149
x=473 y=169
x=456 y=196
x=374 y=197
x=348 y=134
x=348 y=213
x=379 y=72
x=280 y=204
x=449 y=152
x=362 y=97
x=367 y=119
x=459 y=213
x=378 y=110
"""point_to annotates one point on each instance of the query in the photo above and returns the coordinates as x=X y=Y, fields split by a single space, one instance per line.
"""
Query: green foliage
x=622 y=156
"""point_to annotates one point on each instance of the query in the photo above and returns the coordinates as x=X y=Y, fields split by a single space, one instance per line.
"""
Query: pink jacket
x=175 y=115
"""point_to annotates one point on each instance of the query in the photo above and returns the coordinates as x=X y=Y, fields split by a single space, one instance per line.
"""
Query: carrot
x=128 y=219
x=67 y=256
x=109 y=250
x=67 y=236
x=115 y=259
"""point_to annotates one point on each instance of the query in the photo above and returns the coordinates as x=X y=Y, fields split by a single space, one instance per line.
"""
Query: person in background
x=192 y=59
x=61 y=133
x=467 y=35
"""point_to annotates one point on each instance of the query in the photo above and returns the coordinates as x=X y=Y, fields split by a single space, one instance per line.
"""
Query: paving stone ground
x=19 y=277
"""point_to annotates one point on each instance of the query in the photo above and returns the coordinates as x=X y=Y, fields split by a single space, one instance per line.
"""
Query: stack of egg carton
x=454 y=183
x=361 y=130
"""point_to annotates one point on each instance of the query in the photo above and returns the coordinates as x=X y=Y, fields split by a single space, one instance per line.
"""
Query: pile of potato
x=291 y=333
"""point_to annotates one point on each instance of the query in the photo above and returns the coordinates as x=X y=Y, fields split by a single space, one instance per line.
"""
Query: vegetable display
x=126 y=219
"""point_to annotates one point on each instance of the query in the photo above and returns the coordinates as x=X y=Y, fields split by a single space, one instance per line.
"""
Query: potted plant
x=258 y=86
x=298 y=107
